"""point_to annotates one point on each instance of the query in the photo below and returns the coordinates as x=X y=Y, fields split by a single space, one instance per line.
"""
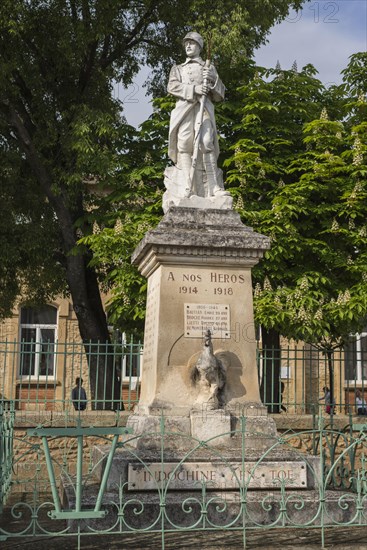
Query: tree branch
x=87 y=66
x=86 y=14
x=73 y=10
x=43 y=176
x=105 y=48
x=133 y=38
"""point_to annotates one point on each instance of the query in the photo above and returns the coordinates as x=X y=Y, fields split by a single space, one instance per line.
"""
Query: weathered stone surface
x=214 y=426
x=215 y=202
x=268 y=469
x=148 y=429
x=212 y=237
x=68 y=418
x=218 y=429
x=198 y=258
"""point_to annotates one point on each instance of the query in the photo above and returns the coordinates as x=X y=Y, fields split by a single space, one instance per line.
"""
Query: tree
x=133 y=211
x=296 y=176
x=284 y=159
x=301 y=179
x=58 y=61
x=63 y=137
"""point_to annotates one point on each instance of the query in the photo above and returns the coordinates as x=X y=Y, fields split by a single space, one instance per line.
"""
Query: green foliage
x=296 y=176
x=134 y=208
x=300 y=178
x=65 y=143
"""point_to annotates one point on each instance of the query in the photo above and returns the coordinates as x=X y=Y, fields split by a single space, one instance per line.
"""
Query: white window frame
x=125 y=374
x=121 y=340
x=38 y=349
x=358 y=367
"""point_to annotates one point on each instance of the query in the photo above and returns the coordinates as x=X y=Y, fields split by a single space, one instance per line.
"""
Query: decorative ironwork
x=65 y=458
x=6 y=449
x=51 y=389
x=291 y=377
x=56 y=481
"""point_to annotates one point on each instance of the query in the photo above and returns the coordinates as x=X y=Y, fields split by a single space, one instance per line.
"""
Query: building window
x=128 y=357
x=131 y=364
x=356 y=358
x=38 y=338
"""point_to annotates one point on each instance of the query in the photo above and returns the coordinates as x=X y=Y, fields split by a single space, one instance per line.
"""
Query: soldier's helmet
x=196 y=37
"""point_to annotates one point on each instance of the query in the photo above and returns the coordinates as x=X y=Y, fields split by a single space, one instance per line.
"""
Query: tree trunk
x=105 y=384
x=270 y=389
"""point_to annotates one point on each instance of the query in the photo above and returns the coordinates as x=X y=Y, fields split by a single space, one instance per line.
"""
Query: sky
x=324 y=33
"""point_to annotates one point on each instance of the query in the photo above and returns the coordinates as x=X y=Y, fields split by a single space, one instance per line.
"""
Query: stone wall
x=29 y=459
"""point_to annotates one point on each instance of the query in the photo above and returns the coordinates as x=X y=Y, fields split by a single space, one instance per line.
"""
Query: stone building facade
x=41 y=355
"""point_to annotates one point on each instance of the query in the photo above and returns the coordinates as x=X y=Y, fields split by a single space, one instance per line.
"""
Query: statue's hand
x=202 y=89
x=209 y=74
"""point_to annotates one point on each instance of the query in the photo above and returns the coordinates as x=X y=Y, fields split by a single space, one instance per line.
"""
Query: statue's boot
x=185 y=165
x=214 y=182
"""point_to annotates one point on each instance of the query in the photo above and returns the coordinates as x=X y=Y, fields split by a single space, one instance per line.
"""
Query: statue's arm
x=217 y=87
x=177 y=88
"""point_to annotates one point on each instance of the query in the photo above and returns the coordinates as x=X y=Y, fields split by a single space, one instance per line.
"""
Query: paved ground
x=353 y=538
x=284 y=539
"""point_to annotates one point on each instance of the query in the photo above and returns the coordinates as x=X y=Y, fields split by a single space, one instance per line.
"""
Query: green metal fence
x=7 y=415
x=99 y=499
x=57 y=459
x=41 y=376
x=292 y=380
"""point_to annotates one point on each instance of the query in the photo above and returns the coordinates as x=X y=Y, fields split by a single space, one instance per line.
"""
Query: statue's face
x=192 y=48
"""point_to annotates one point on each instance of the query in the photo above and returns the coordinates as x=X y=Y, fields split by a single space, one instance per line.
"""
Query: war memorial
x=200 y=423
x=199 y=452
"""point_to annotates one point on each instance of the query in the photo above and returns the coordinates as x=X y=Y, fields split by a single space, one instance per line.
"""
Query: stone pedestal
x=183 y=444
x=198 y=265
x=214 y=425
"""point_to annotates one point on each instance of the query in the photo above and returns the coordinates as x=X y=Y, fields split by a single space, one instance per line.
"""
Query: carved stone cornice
x=189 y=236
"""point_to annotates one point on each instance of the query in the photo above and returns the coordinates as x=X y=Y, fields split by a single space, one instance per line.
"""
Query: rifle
x=195 y=153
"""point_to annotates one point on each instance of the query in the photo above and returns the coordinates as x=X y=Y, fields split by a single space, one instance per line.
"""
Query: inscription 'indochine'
x=270 y=475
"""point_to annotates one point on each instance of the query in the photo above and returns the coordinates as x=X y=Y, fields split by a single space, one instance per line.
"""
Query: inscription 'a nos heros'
x=214 y=278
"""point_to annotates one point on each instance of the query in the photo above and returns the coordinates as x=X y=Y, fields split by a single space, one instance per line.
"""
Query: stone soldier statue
x=193 y=141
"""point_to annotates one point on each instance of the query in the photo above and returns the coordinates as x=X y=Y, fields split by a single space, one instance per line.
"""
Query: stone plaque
x=201 y=317
x=217 y=476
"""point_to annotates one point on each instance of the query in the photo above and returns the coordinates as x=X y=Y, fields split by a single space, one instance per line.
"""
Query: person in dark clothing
x=79 y=396
x=360 y=404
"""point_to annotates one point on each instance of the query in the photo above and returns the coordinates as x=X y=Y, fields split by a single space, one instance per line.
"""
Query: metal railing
x=40 y=376
x=7 y=414
x=74 y=454
x=292 y=380
x=46 y=376
x=198 y=488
